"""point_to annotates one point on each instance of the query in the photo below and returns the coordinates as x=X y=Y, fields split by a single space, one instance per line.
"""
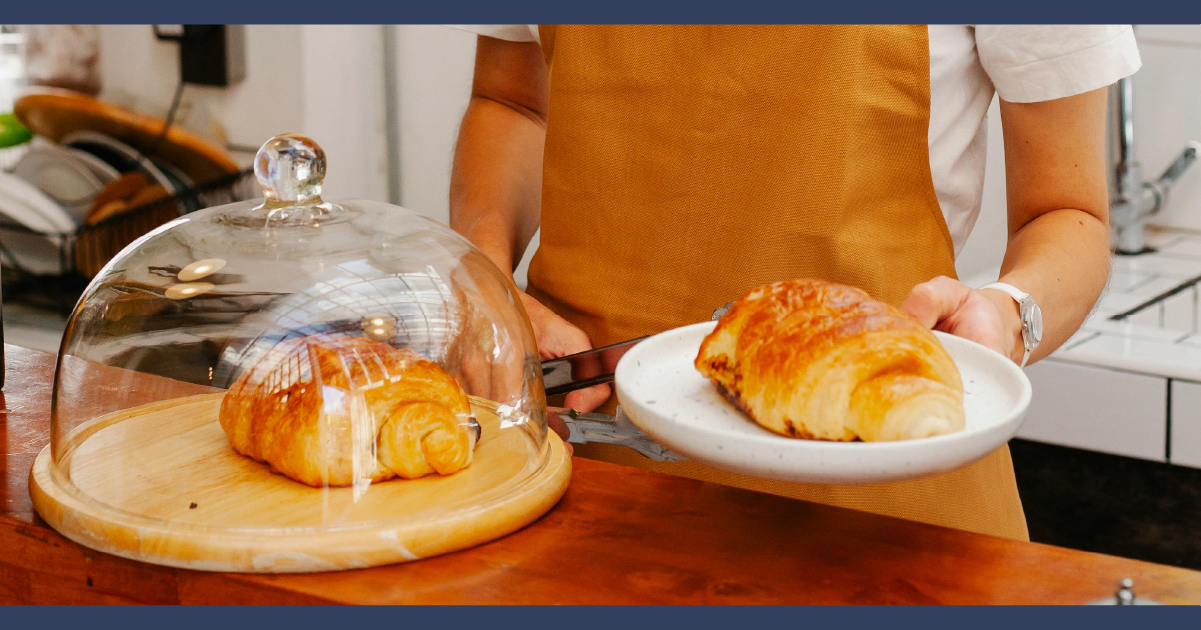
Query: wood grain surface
x=160 y=483
x=619 y=535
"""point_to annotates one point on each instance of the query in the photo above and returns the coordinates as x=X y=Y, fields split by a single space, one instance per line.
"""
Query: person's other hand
x=557 y=337
x=988 y=317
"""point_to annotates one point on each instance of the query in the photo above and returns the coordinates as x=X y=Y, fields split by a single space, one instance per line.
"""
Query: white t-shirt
x=1020 y=63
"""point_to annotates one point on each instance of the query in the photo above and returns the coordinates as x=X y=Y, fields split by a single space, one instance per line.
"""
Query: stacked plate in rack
x=33 y=228
x=51 y=190
x=83 y=153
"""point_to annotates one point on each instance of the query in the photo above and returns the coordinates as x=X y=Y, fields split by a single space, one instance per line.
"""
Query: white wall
x=342 y=70
x=324 y=81
x=434 y=67
x=1167 y=114
x=985 y=247
x=141 y=72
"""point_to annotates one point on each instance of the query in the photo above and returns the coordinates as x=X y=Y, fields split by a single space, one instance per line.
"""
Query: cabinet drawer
x=1186 y=423
x=1097 y=409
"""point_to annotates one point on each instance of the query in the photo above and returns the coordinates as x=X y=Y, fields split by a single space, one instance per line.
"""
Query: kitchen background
x=1112 y=455
x=339 y=83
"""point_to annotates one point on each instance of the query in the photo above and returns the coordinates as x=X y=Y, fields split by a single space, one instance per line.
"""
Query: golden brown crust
x=814 y=359
x=335 y=410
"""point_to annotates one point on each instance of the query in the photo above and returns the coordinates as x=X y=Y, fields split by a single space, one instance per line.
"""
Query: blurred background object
x=81 y=177
x=63 y=55
x=57 y=114
x=12 y=65
x=13 y=136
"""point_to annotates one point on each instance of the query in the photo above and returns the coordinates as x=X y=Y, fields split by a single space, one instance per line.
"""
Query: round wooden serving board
x=160 y=483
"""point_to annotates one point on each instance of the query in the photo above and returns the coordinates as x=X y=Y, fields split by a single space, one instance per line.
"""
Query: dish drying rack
x=83 y=253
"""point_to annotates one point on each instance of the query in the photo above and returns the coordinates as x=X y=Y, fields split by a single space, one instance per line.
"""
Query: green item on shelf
x=12 y=132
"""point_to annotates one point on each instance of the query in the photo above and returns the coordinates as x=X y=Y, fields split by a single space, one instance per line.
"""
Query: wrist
x=1011 y=321
x=499 y=255
x=495 y=244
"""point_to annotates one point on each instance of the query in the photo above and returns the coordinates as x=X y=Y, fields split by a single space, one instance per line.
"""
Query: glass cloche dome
x=291 y=384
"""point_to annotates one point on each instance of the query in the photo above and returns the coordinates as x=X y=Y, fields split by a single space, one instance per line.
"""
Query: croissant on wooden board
x=818 y=360
x=330 y=409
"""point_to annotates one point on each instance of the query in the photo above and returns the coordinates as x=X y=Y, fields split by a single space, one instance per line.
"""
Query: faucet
x=1135 y=199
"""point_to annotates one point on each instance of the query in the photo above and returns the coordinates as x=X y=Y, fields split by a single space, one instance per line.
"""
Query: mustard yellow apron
x=685 y=165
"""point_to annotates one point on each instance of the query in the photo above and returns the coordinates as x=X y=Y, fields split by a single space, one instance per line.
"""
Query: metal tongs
x=614 y=429
x=596 y=367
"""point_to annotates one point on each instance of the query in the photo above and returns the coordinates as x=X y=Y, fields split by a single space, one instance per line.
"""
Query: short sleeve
x=510 y=32
x=1031 y=63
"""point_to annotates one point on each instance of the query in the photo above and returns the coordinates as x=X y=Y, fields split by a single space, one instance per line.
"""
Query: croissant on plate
x=330 y=409
x=814 y=359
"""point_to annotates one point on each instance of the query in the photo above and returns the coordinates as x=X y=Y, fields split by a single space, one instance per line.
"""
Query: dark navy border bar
x=601 y=11
x=605 y=618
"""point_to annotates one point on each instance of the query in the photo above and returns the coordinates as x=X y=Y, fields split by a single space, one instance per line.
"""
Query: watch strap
x=1008 y=289
x=1019 y=296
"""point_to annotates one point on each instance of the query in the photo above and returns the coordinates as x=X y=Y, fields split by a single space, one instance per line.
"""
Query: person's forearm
x=496 y=182
x=1062 y=259
x=1058 y=207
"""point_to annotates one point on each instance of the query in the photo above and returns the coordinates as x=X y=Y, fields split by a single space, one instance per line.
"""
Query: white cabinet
x=1099 y=409
x=1186 y=423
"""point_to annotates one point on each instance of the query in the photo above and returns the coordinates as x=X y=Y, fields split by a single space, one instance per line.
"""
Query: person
x=673 y=168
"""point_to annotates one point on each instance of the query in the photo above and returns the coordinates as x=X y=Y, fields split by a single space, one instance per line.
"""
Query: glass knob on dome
x=290 y=168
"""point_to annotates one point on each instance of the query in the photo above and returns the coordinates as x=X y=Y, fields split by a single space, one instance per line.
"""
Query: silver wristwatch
x=1031 y=315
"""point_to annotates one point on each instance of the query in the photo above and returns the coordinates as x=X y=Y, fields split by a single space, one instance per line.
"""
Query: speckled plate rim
x=686 y=415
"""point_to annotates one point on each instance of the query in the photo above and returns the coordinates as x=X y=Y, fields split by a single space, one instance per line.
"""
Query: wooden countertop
x=619 y=535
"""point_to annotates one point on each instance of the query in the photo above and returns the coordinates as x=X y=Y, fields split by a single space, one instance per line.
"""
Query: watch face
x=1035 y=320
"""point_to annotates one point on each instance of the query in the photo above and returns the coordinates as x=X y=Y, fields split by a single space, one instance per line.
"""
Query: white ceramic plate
x=99 y=167
x=33 y=208
x=121 y=156
x=62 y=176
x=38 y=253
x=675 y=405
